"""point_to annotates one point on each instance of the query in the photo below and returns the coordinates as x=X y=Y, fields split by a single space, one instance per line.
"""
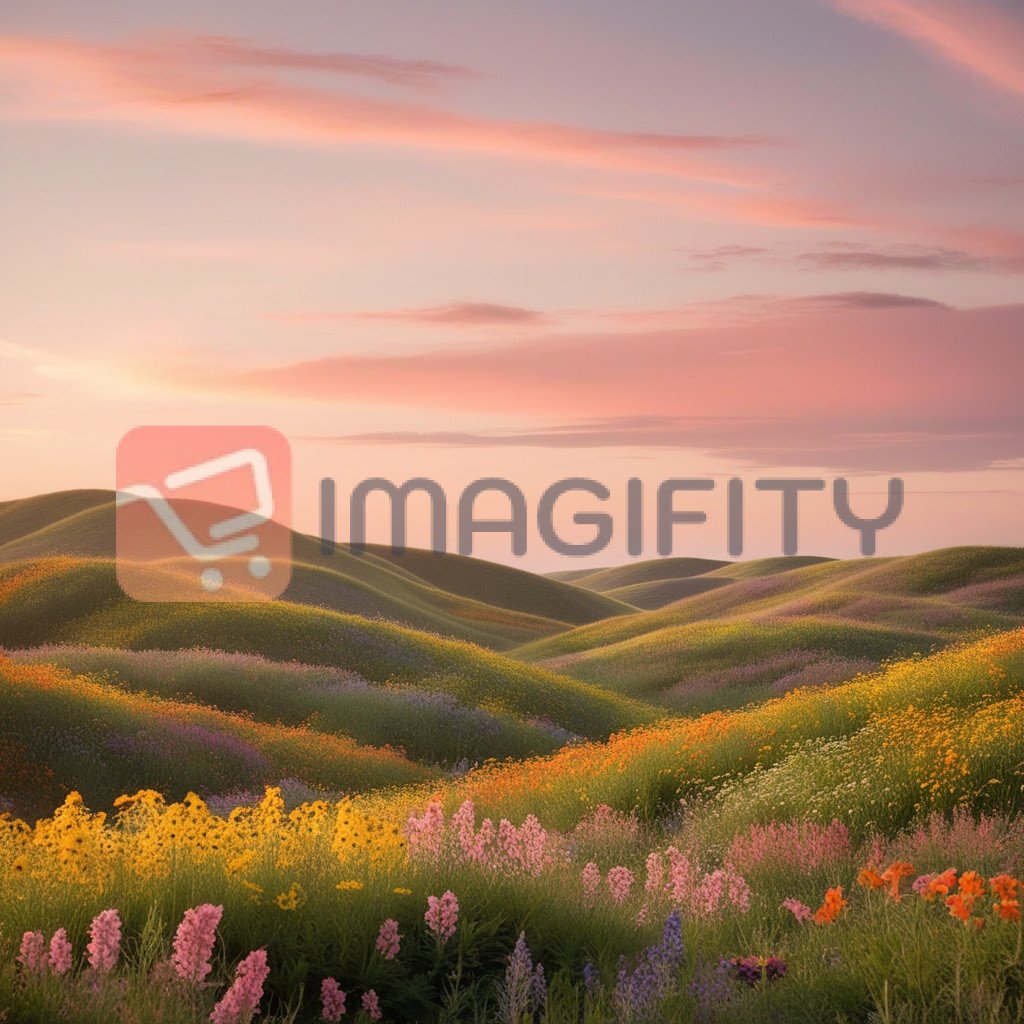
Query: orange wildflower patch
x=831 y=907
x=894 y=874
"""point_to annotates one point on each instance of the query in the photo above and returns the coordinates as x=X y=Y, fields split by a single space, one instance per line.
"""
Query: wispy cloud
x=904 y=376
x=850 y=256
x=456 y=314
x=235 y=90
x=224 y=50
x=1004 y=254
x=975 y=35
x=944 y=445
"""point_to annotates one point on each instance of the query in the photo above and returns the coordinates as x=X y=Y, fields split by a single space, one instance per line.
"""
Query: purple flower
x=752 y=970
x=641 y=989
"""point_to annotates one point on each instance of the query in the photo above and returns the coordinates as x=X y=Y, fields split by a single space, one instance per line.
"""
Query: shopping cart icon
x=217 y=513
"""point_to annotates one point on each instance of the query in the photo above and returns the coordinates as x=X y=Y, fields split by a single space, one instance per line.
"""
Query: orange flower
x=870 y=878
x=1004 y=886
x=959 y=907
x=1008 y=910
x=940 y=884
x=831 y=907
x=894 y=873
x=971 y=884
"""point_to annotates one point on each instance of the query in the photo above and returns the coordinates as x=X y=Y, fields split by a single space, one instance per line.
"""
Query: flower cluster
x=442 y=915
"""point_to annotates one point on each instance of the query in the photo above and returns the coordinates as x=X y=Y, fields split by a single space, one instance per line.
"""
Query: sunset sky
x=532 y=240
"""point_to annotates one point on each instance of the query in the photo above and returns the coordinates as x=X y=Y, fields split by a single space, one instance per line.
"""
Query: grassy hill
x=923 y=734
x=60 y=732
x=648 y=571
x=767 y=633
x=657 y=582
x=430 y=727
x=483 y=602
x=78 y=602
x=658 y=593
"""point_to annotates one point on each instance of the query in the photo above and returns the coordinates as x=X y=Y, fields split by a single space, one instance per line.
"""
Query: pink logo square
x=204 y=513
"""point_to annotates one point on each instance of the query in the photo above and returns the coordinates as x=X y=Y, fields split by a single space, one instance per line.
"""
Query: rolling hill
x=78 y=602
x=489 y=604
x=767 y=633
x=61 y=732
x=657 y=582
x=430 y=727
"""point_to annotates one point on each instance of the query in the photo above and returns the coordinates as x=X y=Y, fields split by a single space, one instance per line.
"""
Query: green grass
x=648 y=571
x=60 y=732
x=702 y=666
x=819 y=623
x=658 y=593
x=429 y=727
x=78 y=602
x=857 y=753
x=483 y=602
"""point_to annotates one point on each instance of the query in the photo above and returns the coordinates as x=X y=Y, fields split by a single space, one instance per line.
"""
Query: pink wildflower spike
x=620 y=881
x=655 y=874
x=194 y=941
x=332 y=1001
x=60 y=952
x=799 y=910
x=32 y=954
x=425 y=833
x=371 y=1004
x=591 y=878
x=442 y=915
x=388 y=939
x=242 y=999
x=104 y=947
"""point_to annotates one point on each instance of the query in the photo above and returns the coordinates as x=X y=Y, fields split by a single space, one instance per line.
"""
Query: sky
x=532 y=241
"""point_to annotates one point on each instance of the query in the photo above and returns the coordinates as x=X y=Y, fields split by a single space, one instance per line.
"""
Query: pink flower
x=193 y=942
x=60 y=952
x=32 y=955
x=921 y=883
x=682 y=876
x=620 y=881
x=242 y=999
x=371 y=1004
x=442 y=915
x=655 y=873
x=804 y=846
x=333 y=1001
x=425 y=833
x=104 y=941
x=591 y=878
x=388 y=939
x=799 y=910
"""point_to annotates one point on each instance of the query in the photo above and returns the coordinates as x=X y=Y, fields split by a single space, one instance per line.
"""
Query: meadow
x=436 y=789
x=841 y=854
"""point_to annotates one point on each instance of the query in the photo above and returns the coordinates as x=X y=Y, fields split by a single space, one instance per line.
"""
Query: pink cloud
x=392 y=70
x=195 y=87
x=974 y=35
x=849 y=357
x=939 y=445
x=456 y=314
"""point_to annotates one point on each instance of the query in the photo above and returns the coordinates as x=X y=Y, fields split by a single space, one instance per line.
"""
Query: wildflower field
x=849 y=853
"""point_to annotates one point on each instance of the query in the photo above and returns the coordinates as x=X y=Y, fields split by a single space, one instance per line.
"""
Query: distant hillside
x=818 y=624
x=657 y=582
x=78 y=602
x=653 y=569
x=658 y=593
x=471 y=599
